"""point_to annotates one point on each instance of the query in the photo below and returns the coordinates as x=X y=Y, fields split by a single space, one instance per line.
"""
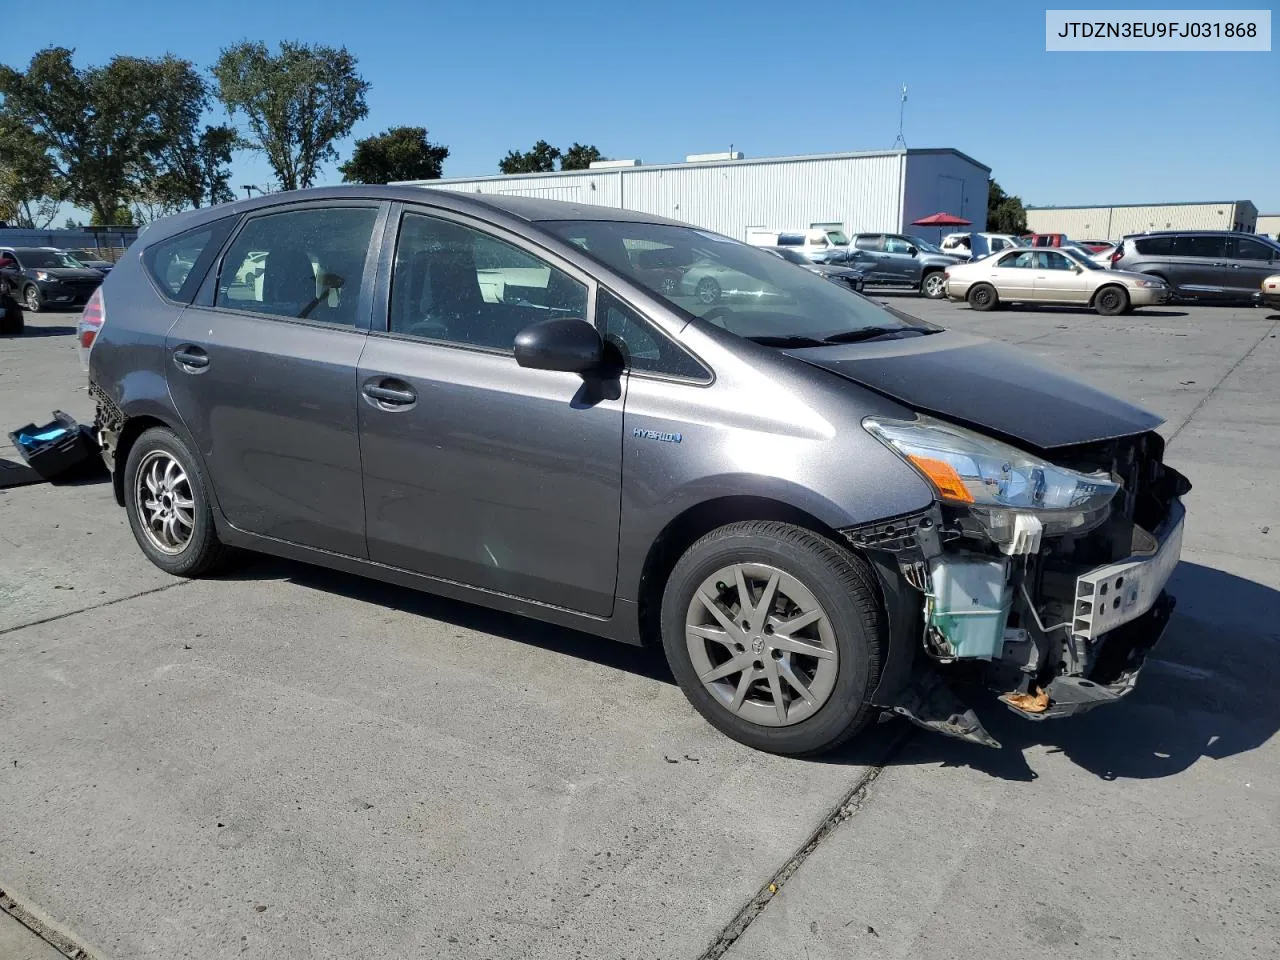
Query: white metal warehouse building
x=1114 y=222
x=883 y=190
x=1268 y=223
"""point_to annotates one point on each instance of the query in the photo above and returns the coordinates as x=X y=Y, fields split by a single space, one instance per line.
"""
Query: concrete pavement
x=291 y=762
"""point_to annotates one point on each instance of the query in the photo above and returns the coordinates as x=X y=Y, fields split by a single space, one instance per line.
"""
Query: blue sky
x=659 y=79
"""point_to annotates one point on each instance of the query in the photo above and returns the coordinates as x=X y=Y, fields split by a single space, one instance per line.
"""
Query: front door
x=1013 y=275
x=1057 y=279
x=477 y=470
x=1252 y=261
x=264 y=375
x=900 y=264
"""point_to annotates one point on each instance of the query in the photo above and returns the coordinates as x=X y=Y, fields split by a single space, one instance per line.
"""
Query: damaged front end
x=1042 y=580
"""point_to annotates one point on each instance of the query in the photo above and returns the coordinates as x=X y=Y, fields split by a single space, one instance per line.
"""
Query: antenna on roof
x=902 y=110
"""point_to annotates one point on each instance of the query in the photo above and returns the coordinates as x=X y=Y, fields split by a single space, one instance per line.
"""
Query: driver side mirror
x=913 y=250
x=568 y=344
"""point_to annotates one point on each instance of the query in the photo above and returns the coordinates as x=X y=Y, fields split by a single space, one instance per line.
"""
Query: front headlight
x=995 y=480
x=42 y=276
x=1151 y=282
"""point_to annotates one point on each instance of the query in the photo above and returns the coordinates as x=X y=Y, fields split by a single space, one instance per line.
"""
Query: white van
x=815 y=243
x=978 y=245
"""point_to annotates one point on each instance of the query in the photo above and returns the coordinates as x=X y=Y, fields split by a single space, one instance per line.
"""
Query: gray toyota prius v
x=819 y=507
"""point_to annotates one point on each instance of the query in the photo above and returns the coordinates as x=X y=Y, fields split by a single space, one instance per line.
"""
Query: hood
x=986 y=385
x=69 y=273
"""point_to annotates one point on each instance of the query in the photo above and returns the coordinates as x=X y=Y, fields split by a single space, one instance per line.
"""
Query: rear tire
x=934 y=285
x=983 y=296
x=708 y=290
x=167 y=502
x=754 y=674
x=1111 y=301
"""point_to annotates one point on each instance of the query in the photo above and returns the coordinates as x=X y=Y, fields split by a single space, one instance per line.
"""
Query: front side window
x=644 y=348
x=896 y=245
x=455 y=284
x=742 y=289
x=1247 y=249
x=301 y=264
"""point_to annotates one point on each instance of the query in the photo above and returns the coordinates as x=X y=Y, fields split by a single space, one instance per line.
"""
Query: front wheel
x=934 y=285
x=708 y=290
x=31 y=296
x=982 y=296
x=168 y=506
x=776 y=636
x=1111 y=301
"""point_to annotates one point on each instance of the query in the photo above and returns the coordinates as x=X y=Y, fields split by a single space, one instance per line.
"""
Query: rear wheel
x=31 y=297
x=982 y=296
x=1111 y=301
x=776 y=636
x=708 y=290
x=168 y=505
x=934 y=285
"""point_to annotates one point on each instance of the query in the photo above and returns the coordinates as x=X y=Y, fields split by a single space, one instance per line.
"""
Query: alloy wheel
x=762 y=644
x=33 y=299
x=934 y=286
x=165 y=504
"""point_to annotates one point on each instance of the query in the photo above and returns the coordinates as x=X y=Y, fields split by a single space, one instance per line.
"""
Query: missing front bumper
x=1115 y=672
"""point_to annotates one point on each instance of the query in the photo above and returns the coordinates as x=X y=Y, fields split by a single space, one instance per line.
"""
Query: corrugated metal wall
x=943 y=183
x=1268 y=223
x=1112 y=223
x=861 y=192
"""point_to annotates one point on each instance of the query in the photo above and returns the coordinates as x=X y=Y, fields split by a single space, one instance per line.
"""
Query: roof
x=1118 y=206
x=749 y=161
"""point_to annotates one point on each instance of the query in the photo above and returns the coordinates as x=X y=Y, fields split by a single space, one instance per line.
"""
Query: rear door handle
x=191 y=358
x=393 y=393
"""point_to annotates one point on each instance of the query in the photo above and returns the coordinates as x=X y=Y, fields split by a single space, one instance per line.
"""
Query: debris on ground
x=1037 y=702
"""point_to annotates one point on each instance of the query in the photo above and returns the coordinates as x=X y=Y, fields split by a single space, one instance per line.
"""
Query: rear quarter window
x=1154 y=246
x=178 y=264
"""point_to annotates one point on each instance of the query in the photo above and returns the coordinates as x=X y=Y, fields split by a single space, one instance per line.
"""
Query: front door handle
x=191 y=358
x=394 y=393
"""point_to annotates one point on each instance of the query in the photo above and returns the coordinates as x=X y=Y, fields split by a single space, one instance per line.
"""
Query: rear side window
x=178 y=264
x=303 y=264
x=644 y=348
x=1199 y=246
x=868 y=241
x=1154 y=246
x=790 y=240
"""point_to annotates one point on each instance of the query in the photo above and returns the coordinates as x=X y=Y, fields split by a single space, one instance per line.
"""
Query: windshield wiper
x=871 y=333
x=789 y=341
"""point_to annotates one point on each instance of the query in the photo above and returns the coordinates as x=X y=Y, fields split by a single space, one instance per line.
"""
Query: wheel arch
x=692 y=524
x=133 y=428
x=1109 y=285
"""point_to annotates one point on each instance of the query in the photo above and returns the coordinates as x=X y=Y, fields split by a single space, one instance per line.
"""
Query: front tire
x=31 y=297
x=983 y=296
x=934 y=285
x=168 y=505
x=708 y=290
x=776 y=635
x=1111 y=301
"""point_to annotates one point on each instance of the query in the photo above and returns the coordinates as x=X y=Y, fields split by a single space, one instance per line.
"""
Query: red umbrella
x=941 y=220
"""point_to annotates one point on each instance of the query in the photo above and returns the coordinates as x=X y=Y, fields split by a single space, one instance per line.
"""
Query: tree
x=400 y=153
x=105 y=129
x=122 y=216
x=71 y=223
x=29 y=189
x=580 y=157
x=297 y=104
x=1005 y=214
x=540 y=159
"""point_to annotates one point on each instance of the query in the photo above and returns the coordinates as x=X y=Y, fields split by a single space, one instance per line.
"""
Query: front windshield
x=732 y=285
x=48 y=258
x=924 y=245
x=838 y=238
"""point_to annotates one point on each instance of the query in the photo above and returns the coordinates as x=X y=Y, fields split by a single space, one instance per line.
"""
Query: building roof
x=749 y=161
x=1118 y=206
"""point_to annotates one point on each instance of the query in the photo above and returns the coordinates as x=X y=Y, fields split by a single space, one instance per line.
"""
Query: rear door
x=262 y=369
x=477 y=470
x=1252 y=261
x=1200 y=265
x=873 y=261
x=1057 y=279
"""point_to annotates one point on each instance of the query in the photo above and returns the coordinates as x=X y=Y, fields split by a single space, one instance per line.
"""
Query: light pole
x=248 y=189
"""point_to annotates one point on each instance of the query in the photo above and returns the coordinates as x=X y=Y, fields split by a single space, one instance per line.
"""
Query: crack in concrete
x=92 y=607
x=39 y=927
x=1214 y=389
x=853 y=801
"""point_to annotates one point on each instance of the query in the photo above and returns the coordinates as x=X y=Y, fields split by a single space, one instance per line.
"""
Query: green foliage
x=1005 y=213
x=29 y=187
x=540 y=159
x=122 y=216
x=115 y=134
x=297 y=104
x=400 y=153
x=580 y=157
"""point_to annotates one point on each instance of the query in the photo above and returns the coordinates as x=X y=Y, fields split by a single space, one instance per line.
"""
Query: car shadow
x=642 y=661
x=1053 y=309
x=1206 y=690
x=34 y=331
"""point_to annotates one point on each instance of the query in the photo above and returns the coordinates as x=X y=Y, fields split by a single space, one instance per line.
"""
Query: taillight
x=91 y=321
x=1117 y=255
